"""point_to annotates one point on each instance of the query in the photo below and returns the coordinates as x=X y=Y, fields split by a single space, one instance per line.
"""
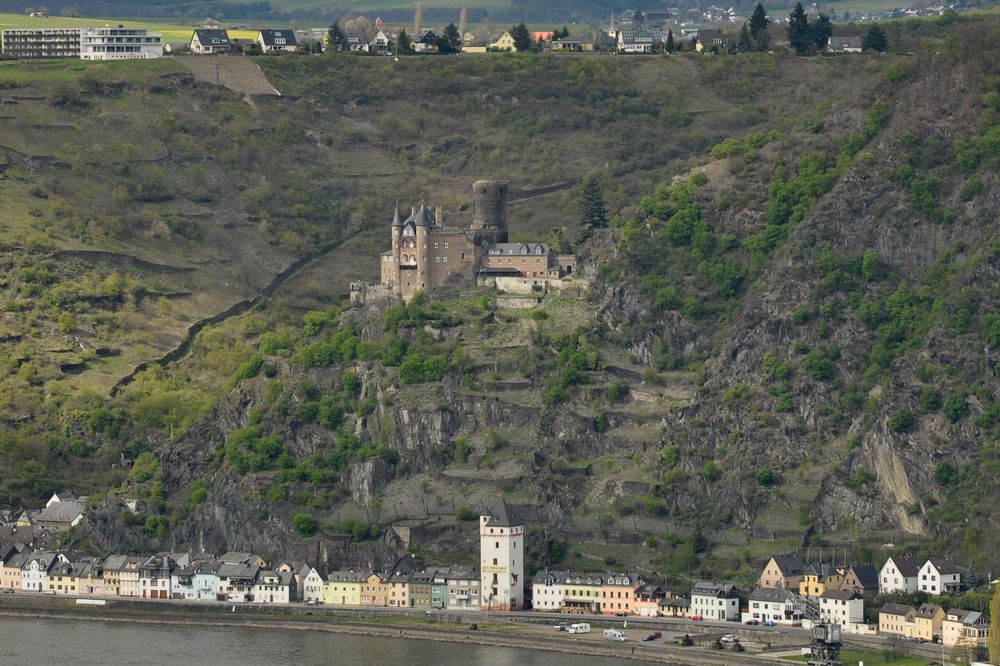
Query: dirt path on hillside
x=238 y=73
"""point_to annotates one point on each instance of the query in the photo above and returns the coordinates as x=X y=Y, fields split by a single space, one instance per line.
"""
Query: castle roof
x=396 y=220
x=502 y=515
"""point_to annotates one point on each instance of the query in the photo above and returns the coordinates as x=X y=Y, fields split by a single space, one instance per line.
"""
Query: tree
x=403 y=42
x=592 y=211
x=821 y=31
x=450 y=40
x=338 y=40
x=522 y=38
x=993 y=642
x=971 y=577
x=875 y=40
x=463 y=22
x=745 y=44
x=758 y=28
x=418 y=19
x=670 y=47
x=799 y=34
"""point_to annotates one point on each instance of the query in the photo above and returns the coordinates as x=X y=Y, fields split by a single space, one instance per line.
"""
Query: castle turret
x=489 y=207
x=423 y=224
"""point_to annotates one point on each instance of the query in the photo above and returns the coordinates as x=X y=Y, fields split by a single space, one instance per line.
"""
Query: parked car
x=697 y=618
x=653 y=636
x=729 y=639
x=621 y=614
x=752 y=622
x=768 y=623
x=562 y=626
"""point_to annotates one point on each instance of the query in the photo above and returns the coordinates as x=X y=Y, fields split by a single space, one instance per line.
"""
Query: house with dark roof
x=707 y=40
x=715 y=601
x=896 y=620
x=844 y=44
x=927 y=622
x=964 y=628
x=426 y=42
x=782 y=571
x=775 y=604
x=899 y=574
x=939 y=576
x=817 y=578
x=861 y=578
x=210 y=42
x=274 y=42
x=843 y=607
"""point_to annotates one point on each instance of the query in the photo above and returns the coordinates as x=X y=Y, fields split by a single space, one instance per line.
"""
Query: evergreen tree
x=745 y=44
x=799 y=34
x=875 y=39
x=561 y=34
x=403 y=42
x=450 y=40
x=593 y=214
x=821 y=31
x=670 y=48
x=971 y=577
x=758 y=28
x=522 y=38
x=338 y=40
x=897 y=39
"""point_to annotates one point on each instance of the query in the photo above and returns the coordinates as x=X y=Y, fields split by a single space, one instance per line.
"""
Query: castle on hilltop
x=426 y=255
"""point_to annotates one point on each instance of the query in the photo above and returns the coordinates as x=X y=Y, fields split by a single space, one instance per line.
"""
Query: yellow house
x=896 y=620
x=817 y=578
x=10 y=574
x=64 y=579
x=343 y=588
x=927 y=621
x=504 y=42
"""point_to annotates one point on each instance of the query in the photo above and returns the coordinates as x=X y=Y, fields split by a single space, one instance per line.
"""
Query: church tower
x=501 y=559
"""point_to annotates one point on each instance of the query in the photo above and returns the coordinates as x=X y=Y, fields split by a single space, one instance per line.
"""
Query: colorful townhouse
x=375 y=590
x=927 y=622
x=647 y=601
x=896 y=620
x=963 y=628
x=343 y=588
x=463 y=589
x=35 y=570
x=862 y=579
x=206 y=580
x=439 y=589
x=155 y=577
x=782 y=571
x=63 y=578
x=10 y=574
x=817 y=578
x=618 y=593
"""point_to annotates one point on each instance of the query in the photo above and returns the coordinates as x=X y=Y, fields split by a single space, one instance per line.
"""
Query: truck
x=579 y=628
x=614 y=635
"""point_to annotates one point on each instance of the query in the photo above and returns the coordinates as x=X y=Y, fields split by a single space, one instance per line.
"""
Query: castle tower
x=423 y=224
x=489 y=207
x=397 y=232
x=501 y=559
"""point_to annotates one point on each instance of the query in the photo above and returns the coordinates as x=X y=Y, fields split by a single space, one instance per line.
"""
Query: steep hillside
x=789 y=338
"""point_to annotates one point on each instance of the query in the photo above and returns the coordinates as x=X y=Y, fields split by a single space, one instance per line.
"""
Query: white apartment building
x=120 y=43
x=713 y=601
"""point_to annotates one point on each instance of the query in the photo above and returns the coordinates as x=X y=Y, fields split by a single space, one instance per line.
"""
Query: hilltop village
x=898 y=600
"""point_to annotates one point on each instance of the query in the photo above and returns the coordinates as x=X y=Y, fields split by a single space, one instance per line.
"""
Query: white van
x=579 y=628
x=614 y=635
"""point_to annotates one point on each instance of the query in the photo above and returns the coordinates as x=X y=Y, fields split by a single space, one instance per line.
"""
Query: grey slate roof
x=769 y=594
x=844 y=42
x=908 y=567
x=236 y=571
x=502 y=515
x=213 y=37
x=347 y=576
x=789 y=565
x=718 y=590
x=927 y=610
x=269 y=37
x=62 y=512
x=944 y=566
x=867 y=576
x=518 y=249
x=840 y=594
x=896 y=609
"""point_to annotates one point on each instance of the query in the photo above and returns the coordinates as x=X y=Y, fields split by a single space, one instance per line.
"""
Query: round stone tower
x=489 y=207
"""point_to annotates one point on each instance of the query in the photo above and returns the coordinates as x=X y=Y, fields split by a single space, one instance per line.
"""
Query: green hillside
x=789 y=337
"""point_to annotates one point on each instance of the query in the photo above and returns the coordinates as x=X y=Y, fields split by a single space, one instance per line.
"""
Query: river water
x=68 y=642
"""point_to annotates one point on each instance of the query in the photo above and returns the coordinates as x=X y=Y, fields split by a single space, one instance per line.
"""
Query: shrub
x=930 y=399
x=945 y=474
x=901 y=420
x=767 y=477
x=465 y=514
x=955 y=407
x=304 y=524
x=710 y=472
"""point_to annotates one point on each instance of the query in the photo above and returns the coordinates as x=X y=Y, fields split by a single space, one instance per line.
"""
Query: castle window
x=444 y=259
x=435 y=245
x=446 y=244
